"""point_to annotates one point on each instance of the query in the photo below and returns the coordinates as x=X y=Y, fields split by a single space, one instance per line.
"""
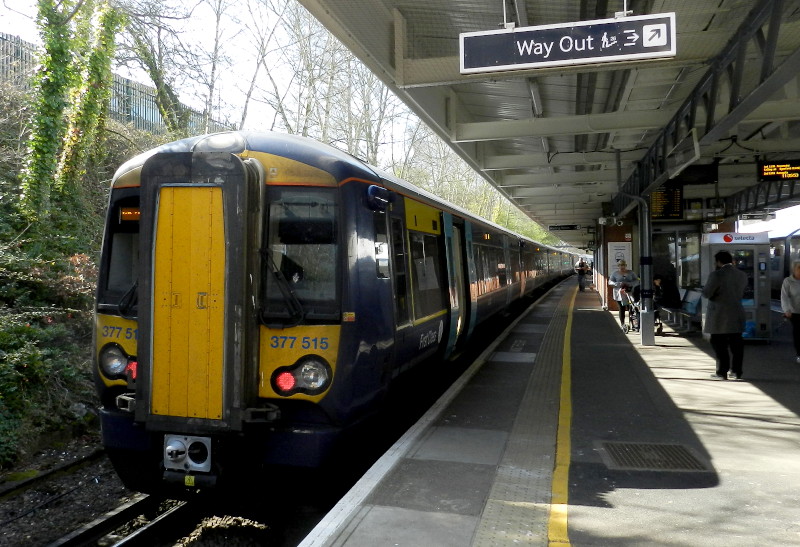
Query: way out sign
x=586 y=42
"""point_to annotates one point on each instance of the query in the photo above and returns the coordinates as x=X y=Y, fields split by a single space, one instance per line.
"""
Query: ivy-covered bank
x=47 y=283
x=57 y=154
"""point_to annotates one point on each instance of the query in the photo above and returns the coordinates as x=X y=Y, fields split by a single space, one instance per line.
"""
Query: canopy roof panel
x=549 y=138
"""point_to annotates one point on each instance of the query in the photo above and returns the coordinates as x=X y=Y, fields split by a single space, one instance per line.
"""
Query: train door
x=472 y=279
x=196 y=249
x=455 y=271
x=402 y=300
x=508 y=266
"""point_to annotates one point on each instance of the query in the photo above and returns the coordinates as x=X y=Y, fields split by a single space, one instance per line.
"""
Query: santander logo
x=728 y=238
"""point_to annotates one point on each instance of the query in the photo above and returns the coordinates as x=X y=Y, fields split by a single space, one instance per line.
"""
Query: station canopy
x=588 y=138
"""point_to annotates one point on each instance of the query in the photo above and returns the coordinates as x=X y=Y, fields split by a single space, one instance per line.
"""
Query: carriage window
x=301 y=266
x=381 y=247
x=426 y=284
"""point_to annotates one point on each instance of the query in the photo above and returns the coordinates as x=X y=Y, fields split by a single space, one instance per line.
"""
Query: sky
x=16 y=18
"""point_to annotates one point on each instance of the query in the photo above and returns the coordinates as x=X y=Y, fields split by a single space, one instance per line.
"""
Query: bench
x=689 y=311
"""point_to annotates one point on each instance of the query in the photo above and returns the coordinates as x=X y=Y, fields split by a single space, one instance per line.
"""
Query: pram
x=630 y=301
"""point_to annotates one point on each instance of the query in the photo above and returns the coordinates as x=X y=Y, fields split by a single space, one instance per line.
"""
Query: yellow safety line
x=557 y=533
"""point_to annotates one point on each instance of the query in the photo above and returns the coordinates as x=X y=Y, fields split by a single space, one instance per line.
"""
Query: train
x=784 y=249
x=259 y=293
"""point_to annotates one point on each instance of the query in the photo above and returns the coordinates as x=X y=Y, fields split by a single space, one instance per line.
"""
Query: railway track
x=280 y=517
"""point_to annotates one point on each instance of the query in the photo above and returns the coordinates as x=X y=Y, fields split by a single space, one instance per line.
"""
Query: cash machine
x=750 y=255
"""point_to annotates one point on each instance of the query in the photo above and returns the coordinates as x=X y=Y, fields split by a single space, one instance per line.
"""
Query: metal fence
x=131 y=102
x=17 y=61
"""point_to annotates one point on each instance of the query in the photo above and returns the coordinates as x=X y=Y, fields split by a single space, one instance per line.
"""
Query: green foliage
x=9 y=435
x=90 y=103
x=47 y=280
x=45 y=341
x=73 y=87
x=53 y=80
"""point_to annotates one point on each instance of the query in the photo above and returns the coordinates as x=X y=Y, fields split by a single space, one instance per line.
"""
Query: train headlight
x=310 y=375
x=113 y=361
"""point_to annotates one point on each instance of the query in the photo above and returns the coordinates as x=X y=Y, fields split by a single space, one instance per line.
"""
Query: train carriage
x=259 y=293
x=784 y=249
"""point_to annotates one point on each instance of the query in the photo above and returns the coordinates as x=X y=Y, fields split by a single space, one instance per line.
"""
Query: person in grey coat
x=790 y=304
x=623 y=280
x=725 y=318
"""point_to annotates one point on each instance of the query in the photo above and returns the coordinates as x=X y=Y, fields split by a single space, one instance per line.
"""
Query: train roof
x=312 y=152
x=405 y=187
x=783 y=232
x=302 y=149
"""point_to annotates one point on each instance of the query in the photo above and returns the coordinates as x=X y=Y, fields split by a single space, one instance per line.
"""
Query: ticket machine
x=751 y=255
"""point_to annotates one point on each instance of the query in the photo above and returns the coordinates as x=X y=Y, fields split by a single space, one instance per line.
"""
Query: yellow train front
x=258 y=293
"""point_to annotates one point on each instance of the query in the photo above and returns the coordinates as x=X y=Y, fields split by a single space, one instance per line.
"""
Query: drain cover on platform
x=650 y=457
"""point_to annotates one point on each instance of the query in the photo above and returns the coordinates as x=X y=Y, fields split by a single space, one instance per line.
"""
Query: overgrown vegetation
x=47 y=279
x=57 y=154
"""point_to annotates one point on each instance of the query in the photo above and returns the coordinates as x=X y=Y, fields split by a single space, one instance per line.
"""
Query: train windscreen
x=302 y=257
x=119 y=274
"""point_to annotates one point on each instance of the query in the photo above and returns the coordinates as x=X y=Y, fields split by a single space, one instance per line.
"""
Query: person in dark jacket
x=725 y=317
x=582 y=269
x=658 y=300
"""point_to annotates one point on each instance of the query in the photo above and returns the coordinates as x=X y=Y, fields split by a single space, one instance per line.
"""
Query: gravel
x=48 y=510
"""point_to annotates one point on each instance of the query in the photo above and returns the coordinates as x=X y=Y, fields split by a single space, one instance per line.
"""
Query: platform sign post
x=585 y=42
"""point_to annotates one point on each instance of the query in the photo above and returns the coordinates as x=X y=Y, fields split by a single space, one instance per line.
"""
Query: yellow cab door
x=200 y=212
x=189 y=303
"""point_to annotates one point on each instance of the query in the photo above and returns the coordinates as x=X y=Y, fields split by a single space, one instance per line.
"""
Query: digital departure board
x=779 y=170
x=667 y=202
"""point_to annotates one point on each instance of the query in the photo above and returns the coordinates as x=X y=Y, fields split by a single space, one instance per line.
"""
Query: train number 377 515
x=292 y=342
x=118 y=333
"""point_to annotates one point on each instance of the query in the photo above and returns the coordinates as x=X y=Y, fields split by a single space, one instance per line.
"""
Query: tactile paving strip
x=518 y=506
x=650 y=457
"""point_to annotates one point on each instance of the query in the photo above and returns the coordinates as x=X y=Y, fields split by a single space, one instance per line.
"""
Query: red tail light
x=285 y=381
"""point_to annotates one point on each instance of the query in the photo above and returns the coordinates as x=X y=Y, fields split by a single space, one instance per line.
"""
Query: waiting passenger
x=582 y=268
x=622 y=280
x=790 y=304
x=725 y=317
x=658 y=298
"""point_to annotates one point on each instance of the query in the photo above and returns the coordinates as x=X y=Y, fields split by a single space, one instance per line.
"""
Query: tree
x=90 y=97
x=431 y=164
x=206 y=60
x=71 y=89
x=152 y=43
x=261 y=35
x=314 y=86
x=52 y=82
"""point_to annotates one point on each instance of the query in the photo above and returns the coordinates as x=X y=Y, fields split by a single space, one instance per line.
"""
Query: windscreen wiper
x=128 y=302
x=292 y=302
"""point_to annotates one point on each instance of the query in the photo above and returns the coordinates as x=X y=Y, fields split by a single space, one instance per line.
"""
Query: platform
x=567 y=431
